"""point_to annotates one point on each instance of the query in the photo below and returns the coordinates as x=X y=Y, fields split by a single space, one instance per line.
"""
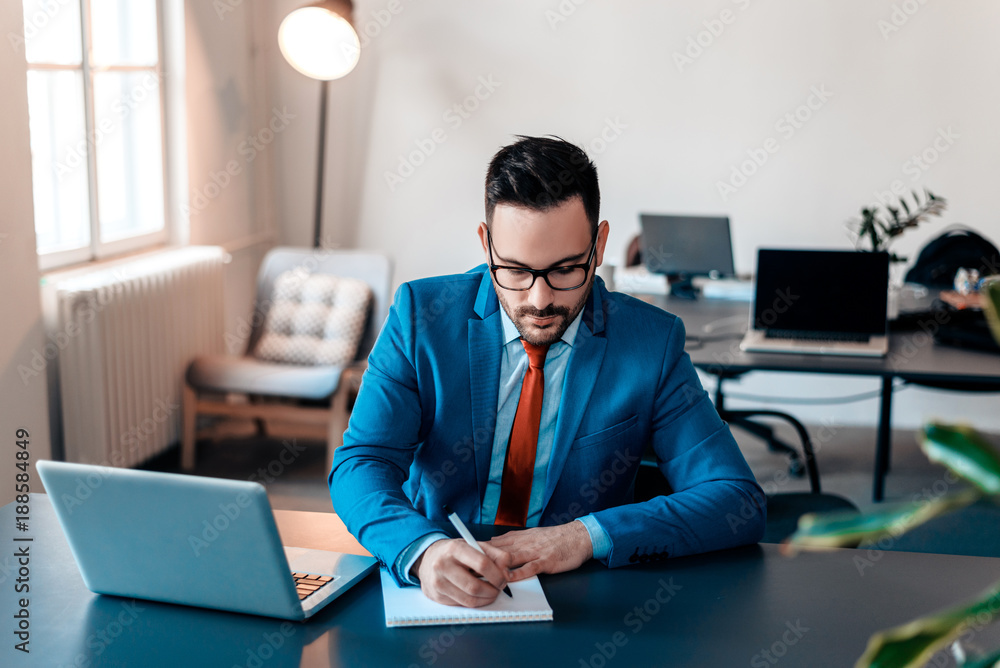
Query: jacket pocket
x=603 y=435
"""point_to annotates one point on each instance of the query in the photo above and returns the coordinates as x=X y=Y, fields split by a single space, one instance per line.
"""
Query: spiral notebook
x=408 y=606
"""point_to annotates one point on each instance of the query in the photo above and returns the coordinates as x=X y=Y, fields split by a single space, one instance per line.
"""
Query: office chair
x=313 y=325
x=783 y=509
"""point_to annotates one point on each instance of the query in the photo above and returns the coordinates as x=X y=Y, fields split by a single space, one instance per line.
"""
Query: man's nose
x=540 y=295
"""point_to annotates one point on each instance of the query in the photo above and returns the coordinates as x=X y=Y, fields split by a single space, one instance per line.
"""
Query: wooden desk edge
x=318 y=531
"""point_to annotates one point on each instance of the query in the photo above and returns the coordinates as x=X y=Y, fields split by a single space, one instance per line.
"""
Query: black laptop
x=819 y=302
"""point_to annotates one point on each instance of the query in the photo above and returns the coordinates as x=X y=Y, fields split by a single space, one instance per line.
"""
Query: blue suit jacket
x=421 y=432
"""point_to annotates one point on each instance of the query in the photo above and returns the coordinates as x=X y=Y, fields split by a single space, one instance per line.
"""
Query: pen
x=463 y=531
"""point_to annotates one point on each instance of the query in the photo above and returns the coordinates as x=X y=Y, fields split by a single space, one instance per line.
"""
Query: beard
x=542 y=336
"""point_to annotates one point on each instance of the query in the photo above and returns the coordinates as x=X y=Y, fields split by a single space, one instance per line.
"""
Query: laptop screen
x=821 y=291
x=689 y=245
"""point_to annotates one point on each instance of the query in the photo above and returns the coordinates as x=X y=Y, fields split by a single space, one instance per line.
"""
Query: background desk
x=720 y=609
x=913 y=356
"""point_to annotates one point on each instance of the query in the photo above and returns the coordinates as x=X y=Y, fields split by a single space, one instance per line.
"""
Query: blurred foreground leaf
x=984 y=661
x=964 y=452
x=991 y=307
x=847 y=529
x=913 y=644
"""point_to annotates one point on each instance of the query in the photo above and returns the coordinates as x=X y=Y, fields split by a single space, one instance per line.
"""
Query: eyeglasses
x=566 y=277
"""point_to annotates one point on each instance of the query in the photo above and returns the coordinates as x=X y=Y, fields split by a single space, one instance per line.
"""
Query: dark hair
x=540 y=173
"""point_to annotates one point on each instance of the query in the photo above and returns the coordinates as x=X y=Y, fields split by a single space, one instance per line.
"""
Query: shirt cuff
x=598 y=536
x=409 y=556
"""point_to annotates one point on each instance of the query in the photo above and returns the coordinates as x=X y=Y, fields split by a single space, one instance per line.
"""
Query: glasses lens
x=567 y=278
x=513 y=279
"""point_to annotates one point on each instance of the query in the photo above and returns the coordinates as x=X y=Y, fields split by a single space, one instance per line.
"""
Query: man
x=523 y=393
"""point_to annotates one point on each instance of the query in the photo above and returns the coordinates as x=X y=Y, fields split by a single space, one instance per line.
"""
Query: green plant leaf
x=991 y=307
x=989 y=661
x=914 y=643
x=964 y=452
x=847 y=529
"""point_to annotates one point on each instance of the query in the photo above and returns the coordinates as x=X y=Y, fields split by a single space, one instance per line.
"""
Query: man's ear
x=482 y=237
x=602 y=240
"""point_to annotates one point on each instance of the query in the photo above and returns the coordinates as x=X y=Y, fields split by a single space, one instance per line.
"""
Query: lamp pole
x=320 y=163
x=319 y=41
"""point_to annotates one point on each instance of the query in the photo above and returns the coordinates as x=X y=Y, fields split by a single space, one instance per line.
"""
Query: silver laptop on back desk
x=819 y=302
x=191 y=540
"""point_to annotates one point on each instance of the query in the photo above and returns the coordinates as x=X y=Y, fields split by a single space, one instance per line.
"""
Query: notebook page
x=408 y=606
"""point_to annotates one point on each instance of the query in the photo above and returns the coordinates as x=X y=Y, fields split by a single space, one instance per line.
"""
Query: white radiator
x=125 y=334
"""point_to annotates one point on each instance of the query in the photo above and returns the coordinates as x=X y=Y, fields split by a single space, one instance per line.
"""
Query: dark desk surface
x=720 y=609
x=912 y=355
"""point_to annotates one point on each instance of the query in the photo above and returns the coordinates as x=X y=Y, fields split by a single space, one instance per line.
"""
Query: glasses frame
x=544 y=273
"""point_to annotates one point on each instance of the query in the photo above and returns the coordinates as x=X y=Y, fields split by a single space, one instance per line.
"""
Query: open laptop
x=192 y=540
x=821 y=302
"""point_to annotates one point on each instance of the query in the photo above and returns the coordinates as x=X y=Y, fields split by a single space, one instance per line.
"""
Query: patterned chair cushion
x=314 y=319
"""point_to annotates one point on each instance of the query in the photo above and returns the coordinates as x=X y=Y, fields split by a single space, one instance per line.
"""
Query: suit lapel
x=581 y=376
x=485 y=349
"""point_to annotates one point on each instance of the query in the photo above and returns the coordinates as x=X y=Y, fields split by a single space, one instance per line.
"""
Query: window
x=96 y=124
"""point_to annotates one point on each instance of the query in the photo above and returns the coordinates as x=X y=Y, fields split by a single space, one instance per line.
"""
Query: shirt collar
x=510 y=332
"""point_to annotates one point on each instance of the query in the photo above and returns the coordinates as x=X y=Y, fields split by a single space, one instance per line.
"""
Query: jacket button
x=634 y=558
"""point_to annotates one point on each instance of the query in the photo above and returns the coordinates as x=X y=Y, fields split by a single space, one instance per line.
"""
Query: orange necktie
x=515 y=489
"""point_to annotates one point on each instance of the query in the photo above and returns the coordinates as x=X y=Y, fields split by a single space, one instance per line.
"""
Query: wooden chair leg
x=338 y=419
x=190 y=417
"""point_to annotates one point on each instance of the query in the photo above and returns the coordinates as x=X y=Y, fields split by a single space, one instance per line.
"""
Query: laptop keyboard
x=836 y=337
x=307 y=584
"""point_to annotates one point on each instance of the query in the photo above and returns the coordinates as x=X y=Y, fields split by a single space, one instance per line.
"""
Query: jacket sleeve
x=370 y=468
x=716 y=503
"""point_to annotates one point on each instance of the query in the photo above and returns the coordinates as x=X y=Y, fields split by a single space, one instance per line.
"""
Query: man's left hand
x=545 y=549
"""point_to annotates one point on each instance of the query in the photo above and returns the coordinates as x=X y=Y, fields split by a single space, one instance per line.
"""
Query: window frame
x=97 y=249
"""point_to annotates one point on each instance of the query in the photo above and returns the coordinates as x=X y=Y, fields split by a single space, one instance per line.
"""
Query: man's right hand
x=449 y=573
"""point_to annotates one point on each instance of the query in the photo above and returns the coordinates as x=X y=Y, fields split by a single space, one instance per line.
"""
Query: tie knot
x=536 y=354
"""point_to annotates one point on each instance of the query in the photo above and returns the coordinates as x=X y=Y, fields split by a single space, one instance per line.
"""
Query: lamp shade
x=319 y=41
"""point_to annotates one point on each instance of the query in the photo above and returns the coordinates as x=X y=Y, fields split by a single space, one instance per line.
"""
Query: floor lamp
x=319 y=41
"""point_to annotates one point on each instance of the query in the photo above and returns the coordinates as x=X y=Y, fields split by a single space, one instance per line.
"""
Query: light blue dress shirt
x=513 y=366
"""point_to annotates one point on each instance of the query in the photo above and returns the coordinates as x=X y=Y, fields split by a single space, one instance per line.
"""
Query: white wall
x=232 y=137
x=23 y=403
x=584 y=70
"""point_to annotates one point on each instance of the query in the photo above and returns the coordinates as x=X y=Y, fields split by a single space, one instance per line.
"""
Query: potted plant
x=880 y=224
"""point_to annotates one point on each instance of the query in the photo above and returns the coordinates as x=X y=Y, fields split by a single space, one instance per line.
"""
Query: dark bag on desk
x=963 y=328
x=955 y=249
